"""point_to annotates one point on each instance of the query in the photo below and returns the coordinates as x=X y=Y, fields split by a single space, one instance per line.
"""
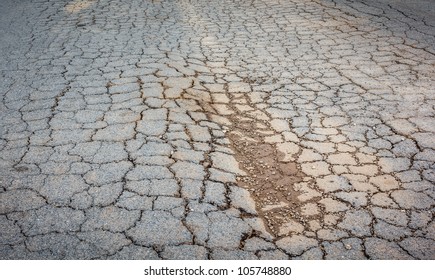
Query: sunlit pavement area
x=225 y=129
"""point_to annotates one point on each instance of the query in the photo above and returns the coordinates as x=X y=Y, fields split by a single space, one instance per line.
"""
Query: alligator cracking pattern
x=226 y=129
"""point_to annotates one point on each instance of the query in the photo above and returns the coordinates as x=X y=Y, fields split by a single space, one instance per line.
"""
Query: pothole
x=270 y=179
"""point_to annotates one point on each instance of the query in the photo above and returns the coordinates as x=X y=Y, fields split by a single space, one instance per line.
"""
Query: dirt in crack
x=270 y=180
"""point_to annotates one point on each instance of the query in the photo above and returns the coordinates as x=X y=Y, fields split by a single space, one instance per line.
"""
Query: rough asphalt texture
x=117 y=121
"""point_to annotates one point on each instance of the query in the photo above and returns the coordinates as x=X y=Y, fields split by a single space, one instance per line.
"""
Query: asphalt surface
x=217 y=129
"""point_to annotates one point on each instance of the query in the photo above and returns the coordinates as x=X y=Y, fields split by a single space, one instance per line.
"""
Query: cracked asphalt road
x=216 y=129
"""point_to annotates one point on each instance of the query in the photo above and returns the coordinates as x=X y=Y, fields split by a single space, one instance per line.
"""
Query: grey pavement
x=222 y=129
